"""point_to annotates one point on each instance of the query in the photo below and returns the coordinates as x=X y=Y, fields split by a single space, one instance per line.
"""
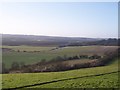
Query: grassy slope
x=105 y=81
x=33 y=57
x=16 y=80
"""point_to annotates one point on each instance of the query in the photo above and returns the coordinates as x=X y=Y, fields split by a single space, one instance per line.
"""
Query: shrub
x=15 y=66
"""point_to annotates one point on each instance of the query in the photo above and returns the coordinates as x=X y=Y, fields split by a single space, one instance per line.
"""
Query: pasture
x=32 y=54
x=81 y=81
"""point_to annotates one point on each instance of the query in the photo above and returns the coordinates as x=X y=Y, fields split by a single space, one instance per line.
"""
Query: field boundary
x=42 y=83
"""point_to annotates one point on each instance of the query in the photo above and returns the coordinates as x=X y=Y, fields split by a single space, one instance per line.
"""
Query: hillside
x=32 y=54
x=37 y=40
x=9 y=39
x=98 y=77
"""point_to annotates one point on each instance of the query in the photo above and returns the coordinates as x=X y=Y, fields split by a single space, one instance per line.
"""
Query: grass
x=31 y=57
x=105 y=81
x=28 y=58
x=29 y=48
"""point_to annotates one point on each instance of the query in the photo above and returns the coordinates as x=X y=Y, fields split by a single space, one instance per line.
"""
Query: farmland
x=94 y=77
x=59 y=45
x=103 y=81
x=32 y=54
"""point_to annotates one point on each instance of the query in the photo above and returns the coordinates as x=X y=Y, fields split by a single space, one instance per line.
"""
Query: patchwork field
x=32 y=54
x=97 y=77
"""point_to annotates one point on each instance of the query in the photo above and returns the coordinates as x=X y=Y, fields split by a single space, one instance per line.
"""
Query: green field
x=103 y=81
x=28 y=48
x=34 y=54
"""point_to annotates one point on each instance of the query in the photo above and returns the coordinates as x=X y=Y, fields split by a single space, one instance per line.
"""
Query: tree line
x=19 y=65
x=105 y=42
x=57 y=63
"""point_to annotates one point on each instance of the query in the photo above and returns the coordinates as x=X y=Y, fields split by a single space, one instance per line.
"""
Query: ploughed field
x=32 y=54
x=96 y=77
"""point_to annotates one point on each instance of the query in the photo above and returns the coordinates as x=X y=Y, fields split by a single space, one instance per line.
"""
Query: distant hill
x=105 y=42
x=35 y=40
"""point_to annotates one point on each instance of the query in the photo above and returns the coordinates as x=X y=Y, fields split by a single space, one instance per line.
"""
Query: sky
x=68 y=19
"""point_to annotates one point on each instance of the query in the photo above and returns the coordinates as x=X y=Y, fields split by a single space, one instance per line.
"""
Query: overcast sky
x=88 y=19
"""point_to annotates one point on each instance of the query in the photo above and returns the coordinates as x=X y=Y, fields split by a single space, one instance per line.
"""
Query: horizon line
x=58 y=36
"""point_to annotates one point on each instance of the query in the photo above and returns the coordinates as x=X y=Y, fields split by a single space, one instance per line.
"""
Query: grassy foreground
x=103 y=81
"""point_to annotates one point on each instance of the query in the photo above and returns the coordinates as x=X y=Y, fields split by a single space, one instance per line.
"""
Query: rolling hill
x=97 y=77
x=9 y=39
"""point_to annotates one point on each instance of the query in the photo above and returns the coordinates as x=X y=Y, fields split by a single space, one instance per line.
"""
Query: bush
x=108 y=57
x=58 y=58
x=83 y=56
x=95 y=56
x=75 y=57
x=22 y=64
x=43 y=60
x=15 y=66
